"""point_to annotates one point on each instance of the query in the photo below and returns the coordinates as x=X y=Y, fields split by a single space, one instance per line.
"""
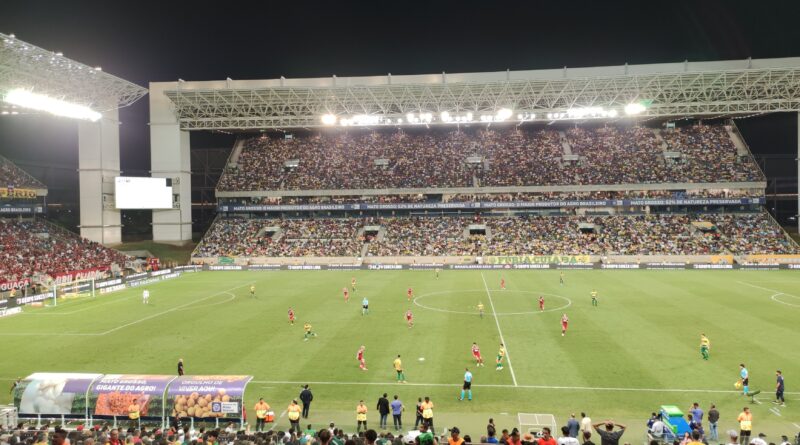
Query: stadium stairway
x=565 y=143
x=660 y=139
x=738 y=142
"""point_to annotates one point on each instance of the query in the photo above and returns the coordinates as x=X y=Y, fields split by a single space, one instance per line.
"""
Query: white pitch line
x=775 y=411
x=275 y=423
x=172 y=309
x=796 y=425
x=544 y=387
x=500 y=331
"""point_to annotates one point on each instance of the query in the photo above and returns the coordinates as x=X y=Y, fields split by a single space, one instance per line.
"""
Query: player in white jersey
x=146 y=296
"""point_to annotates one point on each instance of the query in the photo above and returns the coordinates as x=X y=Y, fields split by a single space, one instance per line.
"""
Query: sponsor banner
x=108 y=290
x=51 y=394
x=113 y=394
x=479 y=266
x=385 y=267
x=5 y=312
x=664 y=266
x=425 y=266
x=576 y=266
x=196 y=396
x=225 y=260
x=540 y=259
x=135 y=276
x=188 y=268
x=95 y=273
x=160 y=272
x=33 y=298
x=793 y=266
x=343 y=267
x=241 y=208
x=12 y=192
x=264 y=267
x=773 y=259
x=620 y=266
x=14 y=284
x=21 y=209
x=304 y=267
x=216 y=267
x=712 y=266
x=758 y=266
x=107 y=283
x=531 y=266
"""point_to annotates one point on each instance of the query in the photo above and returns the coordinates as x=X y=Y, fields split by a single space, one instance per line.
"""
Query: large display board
x=142 y=193
x=113 y=394
x=207 y=396
x=47 y=393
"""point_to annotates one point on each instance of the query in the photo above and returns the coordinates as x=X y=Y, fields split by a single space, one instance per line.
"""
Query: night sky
x=161 y=41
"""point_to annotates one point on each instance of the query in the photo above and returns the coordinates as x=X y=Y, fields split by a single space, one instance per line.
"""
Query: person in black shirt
x=180 y=366
x=306 y=397
x=587 y=438
x=383 y=410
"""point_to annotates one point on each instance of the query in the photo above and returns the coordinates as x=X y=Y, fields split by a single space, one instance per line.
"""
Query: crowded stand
x=488 y=158
x=30 y=247
x=12 y=176
x=654 y=234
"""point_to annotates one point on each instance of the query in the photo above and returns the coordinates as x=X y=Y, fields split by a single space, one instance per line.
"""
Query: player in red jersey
x=353 y=284
x=476 y=353
x=410 y=293
x=564 y=323
x=291 y=316
x=409 y=318
x=360 y=357
x=346 y=294
x=502 y=283
x=541 y=303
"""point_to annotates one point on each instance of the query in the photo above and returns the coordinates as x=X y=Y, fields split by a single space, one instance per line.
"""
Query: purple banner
x=53 y=394
x=207 y=396
x=113 y=394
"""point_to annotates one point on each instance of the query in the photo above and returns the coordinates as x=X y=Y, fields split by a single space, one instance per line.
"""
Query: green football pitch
x=637 y=350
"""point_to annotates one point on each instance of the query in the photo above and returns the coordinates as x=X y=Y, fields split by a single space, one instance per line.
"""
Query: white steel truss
x=738 y=88
x=23 y=65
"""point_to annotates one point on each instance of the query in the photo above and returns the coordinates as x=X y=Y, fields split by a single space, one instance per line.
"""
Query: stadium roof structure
x=26 y=66
x=668 y=90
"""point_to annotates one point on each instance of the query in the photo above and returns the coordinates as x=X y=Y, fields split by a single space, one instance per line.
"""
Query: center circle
x=567 y=301
x=776 y=298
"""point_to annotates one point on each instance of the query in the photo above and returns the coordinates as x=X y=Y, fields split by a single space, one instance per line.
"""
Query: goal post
x=74 y=289
x=534 y=422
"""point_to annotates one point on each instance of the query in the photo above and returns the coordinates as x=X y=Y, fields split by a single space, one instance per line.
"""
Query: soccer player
x=779 y=389
x=309 y=332
x=362 y=363
x=541 y=303
x=476 y=353
x=409 y=318
x=291 y=316
x=180 y=366
x=346 y=294
x=480 y=309
x=410 y=293
x=398 y=368
x=467 y=387
x=594 y=298
x=502 y=283
x=145 y=296
x=561 y=278
x=501 y=354
x=564 y=323
x=353 y=284
x=364 y=306
x=705 y=346
x=253 y=290
x=437 y=273
x=745 y=376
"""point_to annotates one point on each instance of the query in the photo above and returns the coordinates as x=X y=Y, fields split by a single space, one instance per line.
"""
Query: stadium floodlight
x=328 y=119
x=468 y=117
x=503 y=114
x=445 y=117
x=634 y=108
x=41 y=102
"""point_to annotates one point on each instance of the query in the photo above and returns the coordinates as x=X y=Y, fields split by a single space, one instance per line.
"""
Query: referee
x=467 y=385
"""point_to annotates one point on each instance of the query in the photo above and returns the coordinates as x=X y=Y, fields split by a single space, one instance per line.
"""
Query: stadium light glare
x=504 y=113
x=445 y=116
x=328 y=119
x=41 y=102
x=634 y=108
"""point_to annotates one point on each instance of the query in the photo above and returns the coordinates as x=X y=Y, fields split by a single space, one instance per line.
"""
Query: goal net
x=533 y=423
x=74 y=289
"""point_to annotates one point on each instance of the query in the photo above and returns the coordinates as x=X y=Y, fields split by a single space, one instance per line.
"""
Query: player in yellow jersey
x=253 y=290
x=398 y=367
x=705 y=346
x=480 y=309
x=501 y=354
x=594 y=298
x=309 y=332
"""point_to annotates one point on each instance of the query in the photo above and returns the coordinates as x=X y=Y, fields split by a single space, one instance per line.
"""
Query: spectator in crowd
x=713 y=419
x=573 y=425
x=566 y=438
x=587 y=438
x=547 y=438
x=397 y=413
x=306 y=397
x=383 y=410
x=607 y=435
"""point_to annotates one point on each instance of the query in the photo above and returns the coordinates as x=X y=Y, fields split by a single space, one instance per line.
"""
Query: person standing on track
x=383 y=410
x=180 y=366
x=467 y=387
x=261 y=409
x=744 y=374
x=306 y=397
x=779 y=389
x=745 y=420
x=293 y=413
x=361 y=416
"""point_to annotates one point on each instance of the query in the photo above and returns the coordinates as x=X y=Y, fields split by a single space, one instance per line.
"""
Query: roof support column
x=169 y=158
x=98 y=164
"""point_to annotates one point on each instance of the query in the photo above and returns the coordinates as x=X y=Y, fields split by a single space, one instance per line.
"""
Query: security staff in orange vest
x=261 y=408
x=293 y=412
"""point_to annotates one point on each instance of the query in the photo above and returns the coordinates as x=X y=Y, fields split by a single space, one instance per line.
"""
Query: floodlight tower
x=47 y=82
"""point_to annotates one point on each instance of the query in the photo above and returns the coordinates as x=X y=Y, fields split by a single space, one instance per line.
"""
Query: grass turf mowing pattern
x=621 y=359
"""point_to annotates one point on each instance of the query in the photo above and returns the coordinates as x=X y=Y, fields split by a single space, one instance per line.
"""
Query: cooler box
x=673 y=418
